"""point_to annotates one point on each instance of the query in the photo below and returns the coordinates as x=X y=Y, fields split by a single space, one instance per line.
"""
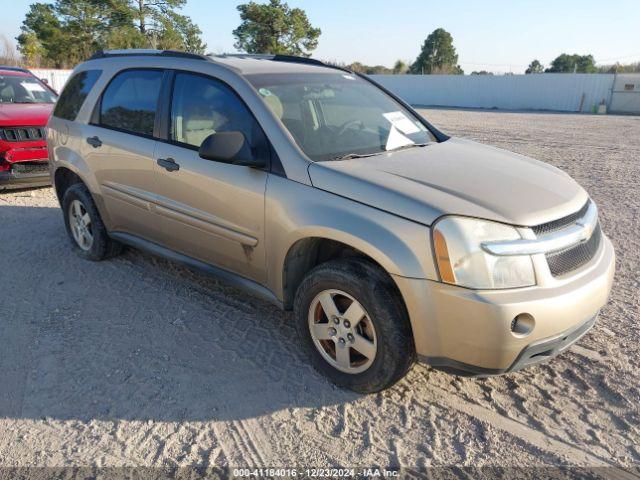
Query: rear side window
x=74 y=94
x=130 y=101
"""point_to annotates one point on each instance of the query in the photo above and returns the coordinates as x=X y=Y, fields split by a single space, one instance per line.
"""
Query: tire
x=384 y=323
x=101 y=245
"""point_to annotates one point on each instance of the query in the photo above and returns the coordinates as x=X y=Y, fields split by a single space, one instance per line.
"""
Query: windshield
x=18 y=89
x=336 y=115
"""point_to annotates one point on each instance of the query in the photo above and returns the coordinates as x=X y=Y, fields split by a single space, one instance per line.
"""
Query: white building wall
x=549 y=91
x=55 y=78
x=626 y=93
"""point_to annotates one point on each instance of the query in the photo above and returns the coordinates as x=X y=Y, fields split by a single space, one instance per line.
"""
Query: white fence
x=565 y=92
x=55 y=78
x=577 y=92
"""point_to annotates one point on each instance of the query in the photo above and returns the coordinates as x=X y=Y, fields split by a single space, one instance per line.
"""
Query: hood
x=454 y=177
x=25 y=114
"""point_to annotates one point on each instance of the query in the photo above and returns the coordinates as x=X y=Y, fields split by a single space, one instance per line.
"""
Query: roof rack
x=173 y=53
x=14 y=69
x=134 y=52
x=276 y=57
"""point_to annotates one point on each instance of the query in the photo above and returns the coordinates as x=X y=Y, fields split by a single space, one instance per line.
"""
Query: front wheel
x=354 y=325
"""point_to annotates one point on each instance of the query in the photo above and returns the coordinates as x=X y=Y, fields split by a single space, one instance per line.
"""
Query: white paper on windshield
x=401 y=122
x=396 y=139
x=33 y=87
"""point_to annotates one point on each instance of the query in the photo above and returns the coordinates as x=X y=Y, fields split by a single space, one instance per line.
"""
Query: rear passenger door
x=120 y=149
x=211 y=211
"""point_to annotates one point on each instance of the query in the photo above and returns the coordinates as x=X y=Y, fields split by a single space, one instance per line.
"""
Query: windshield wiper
x=411 y=145
x=349 y=156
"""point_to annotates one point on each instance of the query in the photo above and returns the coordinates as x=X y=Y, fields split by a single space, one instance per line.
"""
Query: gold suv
x=322 y=192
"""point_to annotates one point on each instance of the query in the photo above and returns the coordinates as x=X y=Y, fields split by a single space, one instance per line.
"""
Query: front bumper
x=469 y=331
x=13 y=180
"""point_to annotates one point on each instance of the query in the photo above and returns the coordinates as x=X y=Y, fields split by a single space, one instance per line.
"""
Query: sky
x=495 y=35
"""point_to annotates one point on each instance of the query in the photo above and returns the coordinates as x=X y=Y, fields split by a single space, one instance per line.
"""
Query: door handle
x=95 y=142
x=169 y=164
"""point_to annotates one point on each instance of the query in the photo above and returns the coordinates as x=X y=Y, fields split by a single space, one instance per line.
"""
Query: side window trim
x=95 y=120
x=162 y=126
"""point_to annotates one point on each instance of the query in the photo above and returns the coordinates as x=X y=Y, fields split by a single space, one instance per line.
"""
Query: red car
x=25 y=106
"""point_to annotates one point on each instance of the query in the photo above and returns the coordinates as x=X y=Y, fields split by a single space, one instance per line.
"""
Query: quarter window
x=202 y=106
x=75 y=93
x=130 y=101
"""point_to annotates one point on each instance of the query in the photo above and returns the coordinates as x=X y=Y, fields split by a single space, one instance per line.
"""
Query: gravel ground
x=140 y=362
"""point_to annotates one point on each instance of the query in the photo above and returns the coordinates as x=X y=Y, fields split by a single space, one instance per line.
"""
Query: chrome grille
x=572 y=258
x=23 y=134
x=561 y=223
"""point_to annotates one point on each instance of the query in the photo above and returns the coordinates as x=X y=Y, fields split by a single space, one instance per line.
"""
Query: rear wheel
x=84 y=225
x=354 y=325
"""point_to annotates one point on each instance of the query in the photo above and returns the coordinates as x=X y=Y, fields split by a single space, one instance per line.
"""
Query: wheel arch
x=66 y=175
x=63 y=178
x=309 y=251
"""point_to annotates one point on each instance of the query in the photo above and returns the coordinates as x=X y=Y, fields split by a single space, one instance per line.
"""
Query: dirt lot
x=137 y=361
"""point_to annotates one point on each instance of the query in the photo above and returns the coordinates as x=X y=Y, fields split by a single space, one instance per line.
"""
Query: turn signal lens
x=442 y=258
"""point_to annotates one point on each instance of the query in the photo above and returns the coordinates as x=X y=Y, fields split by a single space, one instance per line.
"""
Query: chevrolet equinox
x=317 y=189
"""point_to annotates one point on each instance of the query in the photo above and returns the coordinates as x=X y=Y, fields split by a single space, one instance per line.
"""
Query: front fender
x=295 y=212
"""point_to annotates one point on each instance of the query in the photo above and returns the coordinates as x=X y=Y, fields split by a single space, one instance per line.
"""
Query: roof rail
x=277 y=57
x=173 y=53
x=14 y=69
x=134 y=52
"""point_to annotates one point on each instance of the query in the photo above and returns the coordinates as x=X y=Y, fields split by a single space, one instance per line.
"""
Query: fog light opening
x=522 y=325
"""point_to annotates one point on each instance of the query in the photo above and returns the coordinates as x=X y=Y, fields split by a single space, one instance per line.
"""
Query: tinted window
x=202 y=106
x=74 y=94
x=130 y=101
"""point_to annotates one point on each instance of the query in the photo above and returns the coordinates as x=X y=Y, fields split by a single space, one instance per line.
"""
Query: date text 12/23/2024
x=314 y=472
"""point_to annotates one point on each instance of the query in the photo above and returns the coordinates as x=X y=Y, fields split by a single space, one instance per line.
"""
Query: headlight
x=462 y=261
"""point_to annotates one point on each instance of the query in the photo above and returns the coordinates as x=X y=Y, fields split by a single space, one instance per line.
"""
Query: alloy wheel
x=80 y=224
x=342 y=331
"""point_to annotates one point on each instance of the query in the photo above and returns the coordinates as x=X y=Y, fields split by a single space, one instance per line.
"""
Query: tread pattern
x=375 y=290
x=103 y=246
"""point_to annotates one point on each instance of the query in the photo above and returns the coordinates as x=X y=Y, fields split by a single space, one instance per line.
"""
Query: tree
x=481 y=72
x=66 y=32
x=400 y=67
x=438 y=55
x=8 y=54
x=534 y=67
x=275 y=28
x=162 y=26
x=573 y=63
x=42 y=27
x=620 y=68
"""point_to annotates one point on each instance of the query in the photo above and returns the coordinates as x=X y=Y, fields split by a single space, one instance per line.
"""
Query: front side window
x=202 y=106
x=24 y=89
x=130 y=101
x=74 y=94
x=331 y=115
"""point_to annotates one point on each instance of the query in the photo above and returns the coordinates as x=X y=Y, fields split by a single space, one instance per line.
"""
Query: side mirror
x=229 y=147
